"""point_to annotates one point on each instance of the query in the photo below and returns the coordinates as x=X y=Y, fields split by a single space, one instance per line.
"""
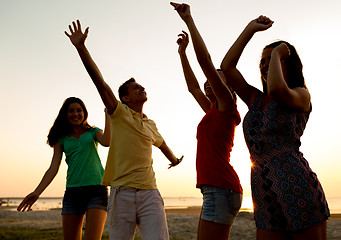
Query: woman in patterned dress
x=289 y=201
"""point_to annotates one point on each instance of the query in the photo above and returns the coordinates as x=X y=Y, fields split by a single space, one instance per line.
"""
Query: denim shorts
x=77 y=200
x=220 y=205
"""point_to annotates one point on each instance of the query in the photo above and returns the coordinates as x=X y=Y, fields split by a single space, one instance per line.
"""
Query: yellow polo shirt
x=130 y=160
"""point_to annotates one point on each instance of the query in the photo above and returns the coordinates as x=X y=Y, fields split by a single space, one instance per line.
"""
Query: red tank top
x=215 y=136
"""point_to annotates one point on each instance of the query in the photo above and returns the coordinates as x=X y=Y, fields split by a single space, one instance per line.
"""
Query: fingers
x=76 y=26
x=183 y=38
x=180 y=8
x=27 y=203
x=24 y=206
x=264 y=20
x=175 y=5
x=79 y=25
x=183 y=34
x=27 y=207
x=86 y=31
x=261 y=23
x=67 y=34
x=179 y=160
x=20 y=207
x=71 y=30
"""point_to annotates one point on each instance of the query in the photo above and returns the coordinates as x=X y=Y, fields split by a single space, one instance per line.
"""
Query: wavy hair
x=61 y=126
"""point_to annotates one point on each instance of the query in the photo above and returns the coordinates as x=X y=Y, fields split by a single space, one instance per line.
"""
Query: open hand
x=76 y=36
x=27 y=203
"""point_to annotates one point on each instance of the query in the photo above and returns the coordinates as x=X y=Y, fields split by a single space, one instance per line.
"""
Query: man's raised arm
x=77 y=38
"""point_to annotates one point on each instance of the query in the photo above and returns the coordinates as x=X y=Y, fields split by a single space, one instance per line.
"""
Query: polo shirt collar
x=137 y=115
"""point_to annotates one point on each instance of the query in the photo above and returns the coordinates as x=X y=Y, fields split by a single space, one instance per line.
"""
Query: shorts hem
x=219 y=222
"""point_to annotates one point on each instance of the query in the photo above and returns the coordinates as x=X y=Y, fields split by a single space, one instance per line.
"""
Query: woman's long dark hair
x=61 y=126
x=294 y=67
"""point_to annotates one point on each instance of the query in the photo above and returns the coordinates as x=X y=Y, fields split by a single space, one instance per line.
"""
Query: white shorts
x=128 y=207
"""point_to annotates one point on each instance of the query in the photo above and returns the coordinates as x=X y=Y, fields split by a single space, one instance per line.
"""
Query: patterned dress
x=286 y=193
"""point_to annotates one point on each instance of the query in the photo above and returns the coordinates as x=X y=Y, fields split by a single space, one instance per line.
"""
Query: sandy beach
x=182 y=222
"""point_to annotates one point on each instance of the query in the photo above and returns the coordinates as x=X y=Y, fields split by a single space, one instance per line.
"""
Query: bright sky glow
x=39 y=68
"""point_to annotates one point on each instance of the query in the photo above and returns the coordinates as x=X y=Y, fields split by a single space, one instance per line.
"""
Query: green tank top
x=84 y=165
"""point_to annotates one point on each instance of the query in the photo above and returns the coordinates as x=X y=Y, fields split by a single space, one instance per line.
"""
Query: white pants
x=128 y=207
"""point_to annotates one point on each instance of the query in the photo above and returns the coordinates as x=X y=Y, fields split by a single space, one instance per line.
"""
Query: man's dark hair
x=123 y=89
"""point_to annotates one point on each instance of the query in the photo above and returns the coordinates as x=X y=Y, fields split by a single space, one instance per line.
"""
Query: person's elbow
x=106 y=142
x=228 y=63
x=163 y=145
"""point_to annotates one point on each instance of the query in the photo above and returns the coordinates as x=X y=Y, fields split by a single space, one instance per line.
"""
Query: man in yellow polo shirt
x=134 y=197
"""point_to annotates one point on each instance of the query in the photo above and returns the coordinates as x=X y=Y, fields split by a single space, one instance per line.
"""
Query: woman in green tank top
x=84 y=195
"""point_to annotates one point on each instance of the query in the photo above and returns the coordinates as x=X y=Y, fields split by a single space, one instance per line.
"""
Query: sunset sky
x=39 y=69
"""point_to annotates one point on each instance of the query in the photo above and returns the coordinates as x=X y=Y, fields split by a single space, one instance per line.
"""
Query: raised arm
x=77 y=38
x=221 y=91
x=49 y=175
x=191 y=81
x=170 y=155
x=229 y=64
x=103 y=137
x=278 y=89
